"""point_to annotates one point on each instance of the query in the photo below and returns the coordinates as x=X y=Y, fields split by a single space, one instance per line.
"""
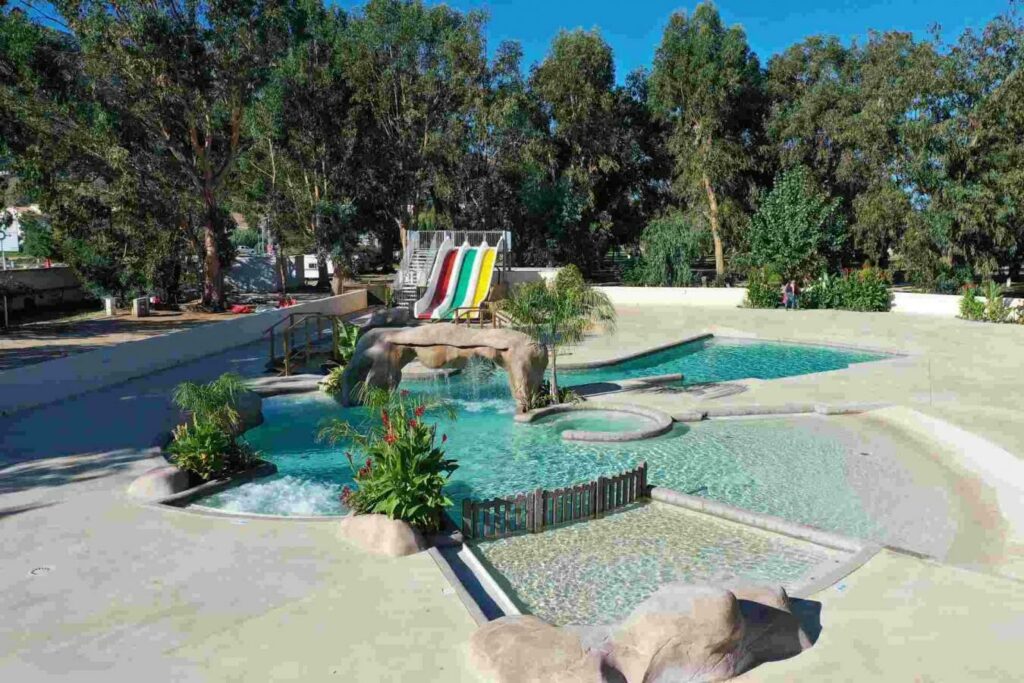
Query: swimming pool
x=598 y=572
x=724 y=360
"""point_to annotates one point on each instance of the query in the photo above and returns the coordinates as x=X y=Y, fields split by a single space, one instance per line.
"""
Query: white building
x=11 y=235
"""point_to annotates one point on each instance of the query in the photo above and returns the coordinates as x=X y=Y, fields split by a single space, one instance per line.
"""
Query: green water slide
x=465 y=278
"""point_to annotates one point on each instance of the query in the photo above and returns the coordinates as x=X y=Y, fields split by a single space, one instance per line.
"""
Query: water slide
x=466 y=279
x=480 y=284
x=439 y=282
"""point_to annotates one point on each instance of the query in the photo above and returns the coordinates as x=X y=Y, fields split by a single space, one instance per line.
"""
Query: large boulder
x=159 y=482
x=380 y=535
x=705 y=633
x=525 y=649
x=382 y=352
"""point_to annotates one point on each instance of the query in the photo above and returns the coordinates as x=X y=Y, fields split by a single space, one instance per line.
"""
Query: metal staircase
x=414 y=274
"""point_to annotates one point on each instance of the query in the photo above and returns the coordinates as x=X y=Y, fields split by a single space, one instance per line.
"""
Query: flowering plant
x=404 y=470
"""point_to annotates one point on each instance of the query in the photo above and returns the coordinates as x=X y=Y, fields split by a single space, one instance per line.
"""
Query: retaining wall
x=945 y=305
x=55 y=380
x=28 y=288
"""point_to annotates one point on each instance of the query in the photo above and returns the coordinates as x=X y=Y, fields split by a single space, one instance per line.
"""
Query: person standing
x=789 y=295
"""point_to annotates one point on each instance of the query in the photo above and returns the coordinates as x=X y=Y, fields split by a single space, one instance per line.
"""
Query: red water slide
x=443 y=284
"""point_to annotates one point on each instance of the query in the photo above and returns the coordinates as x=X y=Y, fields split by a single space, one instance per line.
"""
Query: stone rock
x=159 y=482
x=382 y=352
x=704 y=633
x=681 y=633
x=380 y=535
x=249 y=405
x=525 y=649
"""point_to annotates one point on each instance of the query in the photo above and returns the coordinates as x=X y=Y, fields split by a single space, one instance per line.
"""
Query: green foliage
x=866 y=289
x=245 y=237
x=797 y=229
x=37 y=238
x=204 y=449
x=996 y=308
x=331 y=384
x=971 y=307
x=764 y=289
x=557 y=314
x=213 y=402
x=405 y=470
x=669 y=245
x=542 y=398
x=345 y=338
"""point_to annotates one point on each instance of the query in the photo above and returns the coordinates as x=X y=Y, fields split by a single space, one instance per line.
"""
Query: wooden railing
x=482 y=315
x=539 y=510
x=294 y=348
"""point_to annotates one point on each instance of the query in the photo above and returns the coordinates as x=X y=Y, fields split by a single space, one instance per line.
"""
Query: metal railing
x=294 y=349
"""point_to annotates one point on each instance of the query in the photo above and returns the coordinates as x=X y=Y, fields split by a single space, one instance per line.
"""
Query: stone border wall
x=62 y=378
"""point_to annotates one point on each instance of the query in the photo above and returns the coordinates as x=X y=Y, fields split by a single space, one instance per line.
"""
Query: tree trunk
x=213 y=274
x=554 y=374
x=403 y=230
x=716 y=235
x=282 y=274
x=323 y=278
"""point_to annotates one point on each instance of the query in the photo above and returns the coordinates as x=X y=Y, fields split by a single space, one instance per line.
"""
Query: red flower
x=364 y=471
x=369 y=462
x=444 y=437
x=403 y=393
x=420 y=410
x=385 y=419
x=412 y=424
x=390 y=438
x=346 y=495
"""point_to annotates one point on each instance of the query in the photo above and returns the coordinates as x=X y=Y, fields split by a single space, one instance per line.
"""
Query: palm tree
x=558 y=313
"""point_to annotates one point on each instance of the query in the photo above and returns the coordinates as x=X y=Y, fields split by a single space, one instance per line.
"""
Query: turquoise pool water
x=776 y=466
x=723 y=360
x=598 y=572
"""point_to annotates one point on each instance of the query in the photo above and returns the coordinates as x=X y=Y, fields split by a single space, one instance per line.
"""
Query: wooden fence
x=540 y=509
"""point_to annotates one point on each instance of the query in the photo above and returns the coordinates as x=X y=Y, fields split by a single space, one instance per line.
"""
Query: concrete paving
x=98 y=587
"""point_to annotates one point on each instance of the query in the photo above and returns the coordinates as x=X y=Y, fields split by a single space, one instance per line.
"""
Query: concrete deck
x=100 y=588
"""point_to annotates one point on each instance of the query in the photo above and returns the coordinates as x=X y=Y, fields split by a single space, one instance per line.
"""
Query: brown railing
x=483 y=315
x=308 y=326
x=540 y=509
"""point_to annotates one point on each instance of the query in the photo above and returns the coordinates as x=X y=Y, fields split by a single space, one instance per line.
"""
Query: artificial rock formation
x=159 y=482
x=524 y=648
x=382 y=352
x=681 y=633
x=380 y=535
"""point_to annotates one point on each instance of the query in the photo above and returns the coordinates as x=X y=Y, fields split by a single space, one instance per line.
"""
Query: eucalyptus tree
x=183 y=73
x=416 y=72
x=705 y=85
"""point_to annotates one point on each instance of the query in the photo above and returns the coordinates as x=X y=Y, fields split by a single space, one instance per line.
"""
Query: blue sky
x=634 y=28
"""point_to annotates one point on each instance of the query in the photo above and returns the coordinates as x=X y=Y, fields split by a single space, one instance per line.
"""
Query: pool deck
x=98 y=587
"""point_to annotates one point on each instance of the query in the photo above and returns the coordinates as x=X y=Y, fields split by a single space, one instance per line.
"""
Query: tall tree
x=706 y=85
x=184 y=72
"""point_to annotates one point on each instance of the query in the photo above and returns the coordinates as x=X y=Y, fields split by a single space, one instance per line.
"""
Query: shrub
x=331 y=384
x=541 y=398
x=345 y=338
x=405 y=470
x=244 y=237
x=971 y=308
x=866 y=289
x=211 y=402
x=763 y=289
x=205 y=449
x=996 y=308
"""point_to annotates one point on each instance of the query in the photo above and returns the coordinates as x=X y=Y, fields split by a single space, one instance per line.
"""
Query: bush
x=331 y=384
x=541 y=398
x=404 y=471
x=245 y=237
x=208 y=447
x=208 y=451
x=866 y=289
x=345 y=338
x=764 y=289
x=971 y=308
x=996 y=309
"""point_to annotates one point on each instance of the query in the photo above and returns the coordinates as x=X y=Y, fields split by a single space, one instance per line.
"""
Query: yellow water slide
x=483 y=283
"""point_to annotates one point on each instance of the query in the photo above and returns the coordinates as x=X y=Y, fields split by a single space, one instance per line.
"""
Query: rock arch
x=382 y=352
